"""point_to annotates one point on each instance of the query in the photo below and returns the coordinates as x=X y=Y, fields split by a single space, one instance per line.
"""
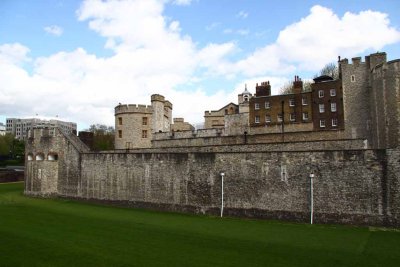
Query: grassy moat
x=56 y=232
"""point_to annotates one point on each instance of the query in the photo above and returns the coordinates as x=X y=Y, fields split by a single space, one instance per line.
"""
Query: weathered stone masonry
x=350 y=186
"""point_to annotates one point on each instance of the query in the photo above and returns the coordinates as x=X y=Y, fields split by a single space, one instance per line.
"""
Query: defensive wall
x=351 y=186
x=384 y=102
x=207 y=137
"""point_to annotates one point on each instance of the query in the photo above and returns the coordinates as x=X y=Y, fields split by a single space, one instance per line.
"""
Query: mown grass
x=56 y=232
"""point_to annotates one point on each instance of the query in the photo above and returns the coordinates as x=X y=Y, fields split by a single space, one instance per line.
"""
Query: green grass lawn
x=55 y=232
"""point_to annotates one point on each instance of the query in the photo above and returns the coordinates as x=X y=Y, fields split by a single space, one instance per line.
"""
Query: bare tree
x=287 y=88
x=330 y=69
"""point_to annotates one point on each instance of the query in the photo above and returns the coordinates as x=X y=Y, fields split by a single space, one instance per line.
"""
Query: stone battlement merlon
x=133 y=108
x=157 y=97
x=179 y=120
x=167 y=104
x=392 y=64
x=371 y=61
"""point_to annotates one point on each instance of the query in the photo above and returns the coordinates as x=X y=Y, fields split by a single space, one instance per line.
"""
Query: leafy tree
x=12 y=149
x=6 y=144
x=103 y=136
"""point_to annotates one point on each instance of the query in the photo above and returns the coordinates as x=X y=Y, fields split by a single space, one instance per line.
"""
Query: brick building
x=268 y=110
x=327 y=104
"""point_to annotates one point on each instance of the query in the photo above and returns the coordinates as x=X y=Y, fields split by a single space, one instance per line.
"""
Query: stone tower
x=135 y=124
x=385 y=102
x=356 y=96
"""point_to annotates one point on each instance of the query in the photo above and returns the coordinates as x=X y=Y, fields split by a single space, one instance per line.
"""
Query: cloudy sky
x=78 y=59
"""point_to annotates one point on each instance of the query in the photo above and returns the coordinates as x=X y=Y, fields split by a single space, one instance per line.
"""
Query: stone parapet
x=132 y=108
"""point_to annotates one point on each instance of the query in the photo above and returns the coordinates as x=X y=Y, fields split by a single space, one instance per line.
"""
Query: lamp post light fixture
x=312 y=197
x=222 y=193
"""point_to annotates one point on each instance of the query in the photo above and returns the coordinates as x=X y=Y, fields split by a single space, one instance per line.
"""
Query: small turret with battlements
x=135 y=124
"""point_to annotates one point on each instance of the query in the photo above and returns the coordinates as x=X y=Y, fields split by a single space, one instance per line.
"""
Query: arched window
x=30 y=157
x=246 y=98
x=39 y=156
x=52 y=156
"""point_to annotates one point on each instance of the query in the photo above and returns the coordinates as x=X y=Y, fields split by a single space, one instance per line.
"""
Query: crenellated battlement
x=371 y=61
x=157 y=97
x=167 y=104
x=392 y=65
x=133 y=108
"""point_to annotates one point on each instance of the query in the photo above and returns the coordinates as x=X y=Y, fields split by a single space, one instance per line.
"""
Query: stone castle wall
x=350 y=186
x=216 y=137
x=385 y=93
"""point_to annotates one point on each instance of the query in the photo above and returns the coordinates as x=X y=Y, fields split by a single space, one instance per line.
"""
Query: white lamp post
x=312 y=197
x=222 y=193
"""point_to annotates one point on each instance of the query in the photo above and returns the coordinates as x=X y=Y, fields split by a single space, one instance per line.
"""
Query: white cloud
x=322 y=36
x=182 y=2
x=212 y=26
x=54 y=30
x=316 y=40
x=242 y=14
x=239 y=32
x=13 y=53
x=158 y=58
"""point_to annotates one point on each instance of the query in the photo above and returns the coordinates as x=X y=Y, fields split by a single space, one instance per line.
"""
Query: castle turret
x=157 y=102
x=375 y=59
x=133 y=126
x=167 y=116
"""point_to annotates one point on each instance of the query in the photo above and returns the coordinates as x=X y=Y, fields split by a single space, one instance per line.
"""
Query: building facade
x=19 y=128
x=361 y=104
x=327 y=104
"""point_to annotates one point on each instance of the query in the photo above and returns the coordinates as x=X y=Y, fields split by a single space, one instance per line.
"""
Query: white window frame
x=256 y=106
x=291 y=102
x=305 y=116
x=279 y=117
x=267 y=105
x=321 y=108
x=322 y=123
x=304 y=101
x=321 y=93
x=292 y=117
x=333 y=107
x=334 y=122
x=267 y=118
x=257 y=119
x=332 y=92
